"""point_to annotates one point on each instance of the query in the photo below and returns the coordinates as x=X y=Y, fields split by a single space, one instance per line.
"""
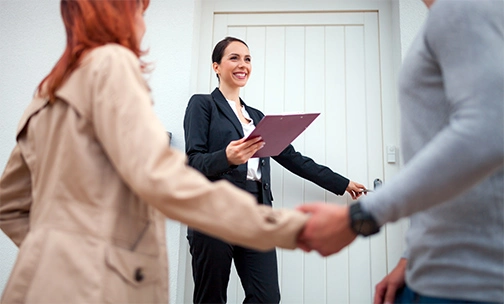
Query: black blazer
x=210 y=125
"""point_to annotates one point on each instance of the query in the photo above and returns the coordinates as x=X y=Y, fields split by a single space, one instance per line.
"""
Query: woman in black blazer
x=215 y=127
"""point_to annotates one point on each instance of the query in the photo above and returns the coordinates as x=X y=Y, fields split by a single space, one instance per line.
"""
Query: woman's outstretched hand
x=355 y=189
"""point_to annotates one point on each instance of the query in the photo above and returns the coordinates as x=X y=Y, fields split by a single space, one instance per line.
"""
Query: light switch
x=391 y=154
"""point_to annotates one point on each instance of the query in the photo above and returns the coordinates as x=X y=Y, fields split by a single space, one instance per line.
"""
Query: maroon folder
x=278 y=131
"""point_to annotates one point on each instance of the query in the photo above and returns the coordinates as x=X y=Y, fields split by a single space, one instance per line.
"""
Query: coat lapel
x=224 y=107
x=36 y=105
x=254 y=114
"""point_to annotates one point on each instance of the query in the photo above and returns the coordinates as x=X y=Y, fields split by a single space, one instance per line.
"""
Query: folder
x=278 y=131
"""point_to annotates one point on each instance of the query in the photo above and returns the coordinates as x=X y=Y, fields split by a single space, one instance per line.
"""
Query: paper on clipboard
x=278 y=131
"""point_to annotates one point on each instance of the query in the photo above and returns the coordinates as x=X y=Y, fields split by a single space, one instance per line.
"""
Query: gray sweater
x=451 y=94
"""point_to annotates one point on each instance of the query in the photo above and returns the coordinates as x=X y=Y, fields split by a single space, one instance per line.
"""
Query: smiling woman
x=216 y=127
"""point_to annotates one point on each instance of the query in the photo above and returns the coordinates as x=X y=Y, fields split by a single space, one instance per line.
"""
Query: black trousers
x=211 y=266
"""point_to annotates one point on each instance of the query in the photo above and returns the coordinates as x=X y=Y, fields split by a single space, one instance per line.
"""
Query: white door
x=327 y=62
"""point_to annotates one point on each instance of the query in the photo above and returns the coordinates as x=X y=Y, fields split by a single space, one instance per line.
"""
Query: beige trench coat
x=87 y=188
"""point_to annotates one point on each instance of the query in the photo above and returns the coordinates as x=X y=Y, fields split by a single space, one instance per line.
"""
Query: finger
x=257 y=146
x=307 y=208
x=325 y=252
x=390 y=294
x=237 y=142
x=252 y=141
x=352 y=193
x=357 y=188
x=380 y=290
x=249 y=148
x=360 y=186
x=303 y=246
x=249 y=152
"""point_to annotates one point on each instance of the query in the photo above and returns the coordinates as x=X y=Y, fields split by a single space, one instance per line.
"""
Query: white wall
x=31 y=43
x=32 y=39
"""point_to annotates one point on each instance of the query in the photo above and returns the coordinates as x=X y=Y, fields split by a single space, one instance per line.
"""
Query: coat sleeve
x=308 y=169
x=135 y=142
x=15 y=198
x=196 y=132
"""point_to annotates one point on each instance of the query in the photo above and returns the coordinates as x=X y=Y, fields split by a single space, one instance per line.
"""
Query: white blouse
x=253 y=170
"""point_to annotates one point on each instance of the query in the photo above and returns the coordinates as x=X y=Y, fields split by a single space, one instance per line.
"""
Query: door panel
x=327 y=62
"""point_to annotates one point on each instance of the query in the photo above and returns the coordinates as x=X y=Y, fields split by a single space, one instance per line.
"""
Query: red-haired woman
x=91 y=179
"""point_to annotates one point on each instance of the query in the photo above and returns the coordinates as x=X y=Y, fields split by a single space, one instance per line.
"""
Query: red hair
x=90 y=24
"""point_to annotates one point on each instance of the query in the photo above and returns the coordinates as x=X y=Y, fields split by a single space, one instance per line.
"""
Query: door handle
x=377 y=183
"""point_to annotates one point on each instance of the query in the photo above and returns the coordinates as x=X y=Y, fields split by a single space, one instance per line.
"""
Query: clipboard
x=278 y=131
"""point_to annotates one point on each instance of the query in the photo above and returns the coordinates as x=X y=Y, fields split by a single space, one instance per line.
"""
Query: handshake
x=330 y=228
x=327 y=230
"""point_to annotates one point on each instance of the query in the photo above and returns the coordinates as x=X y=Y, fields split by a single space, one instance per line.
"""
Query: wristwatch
x=361 y=221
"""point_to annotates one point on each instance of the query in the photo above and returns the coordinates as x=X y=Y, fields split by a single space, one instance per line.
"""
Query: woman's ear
x=215 y=67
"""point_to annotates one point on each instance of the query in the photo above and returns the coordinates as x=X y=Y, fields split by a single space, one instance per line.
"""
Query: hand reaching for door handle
x=355 y=189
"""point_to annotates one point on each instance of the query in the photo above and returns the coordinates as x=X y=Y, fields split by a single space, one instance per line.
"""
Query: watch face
x=362 y=222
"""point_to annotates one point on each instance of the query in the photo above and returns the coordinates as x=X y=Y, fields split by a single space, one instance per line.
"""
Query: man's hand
x=327 y=230
x=385 y=291
x=240 y=151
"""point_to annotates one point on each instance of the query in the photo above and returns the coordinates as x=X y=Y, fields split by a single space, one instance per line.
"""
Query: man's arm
x=467 y=47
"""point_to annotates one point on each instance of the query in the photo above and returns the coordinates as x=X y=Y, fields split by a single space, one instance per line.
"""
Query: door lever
x=377 y=183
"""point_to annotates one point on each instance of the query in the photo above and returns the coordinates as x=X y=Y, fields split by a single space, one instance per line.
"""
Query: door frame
x=390 y=61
